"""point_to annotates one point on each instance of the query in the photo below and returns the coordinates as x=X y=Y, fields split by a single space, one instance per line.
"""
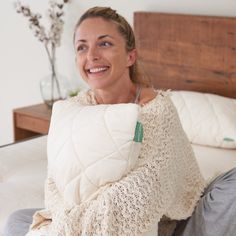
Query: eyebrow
x=100 y=37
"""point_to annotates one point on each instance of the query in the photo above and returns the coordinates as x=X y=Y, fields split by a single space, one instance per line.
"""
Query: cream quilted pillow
x=207 y=119
x=91 y=146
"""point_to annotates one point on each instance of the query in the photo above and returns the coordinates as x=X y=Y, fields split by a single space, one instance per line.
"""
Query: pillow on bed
x=207 y=119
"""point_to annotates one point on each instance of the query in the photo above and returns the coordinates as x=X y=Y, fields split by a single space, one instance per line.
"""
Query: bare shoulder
x=147 y=94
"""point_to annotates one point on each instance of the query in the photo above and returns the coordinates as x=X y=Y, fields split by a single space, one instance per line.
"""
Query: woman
x=166 y=181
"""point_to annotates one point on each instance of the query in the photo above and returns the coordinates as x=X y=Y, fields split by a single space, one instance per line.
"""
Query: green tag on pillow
x=138 y=137
x=228 y=139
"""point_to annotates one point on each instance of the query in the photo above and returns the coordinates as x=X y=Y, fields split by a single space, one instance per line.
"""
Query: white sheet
x=23 y=171
x=22 y=175
x=214 y=161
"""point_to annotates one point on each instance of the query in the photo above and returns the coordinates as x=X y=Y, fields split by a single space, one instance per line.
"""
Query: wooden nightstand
x=31 y=121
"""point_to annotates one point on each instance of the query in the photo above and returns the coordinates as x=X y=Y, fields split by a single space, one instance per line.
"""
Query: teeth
x=95 y=70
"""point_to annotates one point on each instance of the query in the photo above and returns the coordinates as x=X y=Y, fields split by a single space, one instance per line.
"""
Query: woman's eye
x=81 y=48
x=105 y=44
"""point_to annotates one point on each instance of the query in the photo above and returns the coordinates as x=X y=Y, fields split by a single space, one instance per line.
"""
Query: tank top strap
x=137 y=96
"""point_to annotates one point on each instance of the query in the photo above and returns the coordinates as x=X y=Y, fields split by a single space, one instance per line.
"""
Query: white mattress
x=214 y=161
x=22 y=175
x=23 y=171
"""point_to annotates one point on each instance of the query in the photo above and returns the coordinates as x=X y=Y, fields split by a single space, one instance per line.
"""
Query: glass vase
x=53 y=87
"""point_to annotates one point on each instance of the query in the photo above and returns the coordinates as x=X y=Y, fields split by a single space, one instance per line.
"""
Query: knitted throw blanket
x=167 y=182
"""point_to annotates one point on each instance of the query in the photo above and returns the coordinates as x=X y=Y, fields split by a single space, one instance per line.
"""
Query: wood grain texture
x=188 y=52
x=31 y=121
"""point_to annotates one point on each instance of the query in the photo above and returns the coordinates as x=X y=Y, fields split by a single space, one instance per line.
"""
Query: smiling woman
x=106 y=56
x=101 y=56
x=134 y=202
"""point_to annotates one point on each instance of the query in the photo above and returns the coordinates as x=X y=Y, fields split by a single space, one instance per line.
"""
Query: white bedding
x=207 y=119
x=23 y=171
x=214 y=161
x=22 y=174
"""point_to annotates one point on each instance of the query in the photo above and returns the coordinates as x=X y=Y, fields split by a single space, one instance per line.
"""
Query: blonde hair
x=124 y=29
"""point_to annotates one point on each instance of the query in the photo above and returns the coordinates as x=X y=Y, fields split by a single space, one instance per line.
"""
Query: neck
x=125 y=93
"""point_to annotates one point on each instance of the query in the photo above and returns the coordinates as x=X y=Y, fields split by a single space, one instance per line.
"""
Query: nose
x=93 y=54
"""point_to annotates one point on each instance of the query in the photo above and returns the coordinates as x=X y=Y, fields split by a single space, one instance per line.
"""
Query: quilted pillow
x=207 y=119
x=91 y=146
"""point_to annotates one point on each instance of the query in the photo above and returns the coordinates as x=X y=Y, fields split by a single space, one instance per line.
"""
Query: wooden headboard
x=187 y=52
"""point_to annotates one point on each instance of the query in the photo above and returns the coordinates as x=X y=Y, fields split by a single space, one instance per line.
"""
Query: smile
x=98 y=69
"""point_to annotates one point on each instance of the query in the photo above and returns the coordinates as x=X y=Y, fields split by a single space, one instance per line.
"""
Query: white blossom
x=54 y=13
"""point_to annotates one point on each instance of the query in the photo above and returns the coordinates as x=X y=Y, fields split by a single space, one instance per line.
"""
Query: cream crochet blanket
x=167 y=182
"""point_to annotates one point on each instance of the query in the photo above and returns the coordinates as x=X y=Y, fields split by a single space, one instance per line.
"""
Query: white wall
x=23 y=60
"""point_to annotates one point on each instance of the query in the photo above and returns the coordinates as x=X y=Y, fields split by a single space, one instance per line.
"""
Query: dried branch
x=55 y=14
x=52 y=38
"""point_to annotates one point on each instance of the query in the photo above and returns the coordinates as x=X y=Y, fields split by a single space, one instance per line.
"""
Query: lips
x=95 y=70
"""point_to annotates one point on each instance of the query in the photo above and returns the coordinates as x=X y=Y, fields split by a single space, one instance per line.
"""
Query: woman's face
x=101 y=56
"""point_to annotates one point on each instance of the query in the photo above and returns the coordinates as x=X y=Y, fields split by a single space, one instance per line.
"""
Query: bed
x=198 y=54
x=23 y=168
x=177 y=52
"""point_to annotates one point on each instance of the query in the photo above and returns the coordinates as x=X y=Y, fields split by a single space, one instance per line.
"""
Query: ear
x=132 y=56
